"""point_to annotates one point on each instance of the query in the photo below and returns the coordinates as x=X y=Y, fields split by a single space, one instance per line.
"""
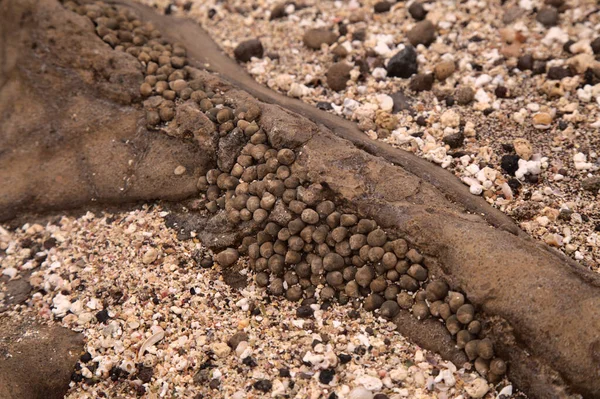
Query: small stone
x=403 y=64
x=465 y=313
x=248 y=49
x=326 y=376
x=150 y=256
x=373 y=302
x=360 y=392
x=510 y=164
x=417 y=11
x=304 y=311
x=595 y=44
x=444 y=69
x=523 y=148
x=220 y=349
x=364 y=276
x=464 y=95
x=389 y=309
x=338 y=75
x=377 y=238
x=454 y=140
x=227 y=257
x=422 y=33
x=498 y=366
x=547 y=16
x=179 y=170
x=436 y=290
x=542 y=119
x=591 y=184
x=314 y=38
x=263 y=385
x=525 y=62
x=310 y=216
x=485 y=349
x=421 y=82
x=235 y=340
x=420 y=310
x=382 y=6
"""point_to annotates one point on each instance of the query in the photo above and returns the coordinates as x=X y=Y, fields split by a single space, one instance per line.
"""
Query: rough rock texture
x=63 y=92
x=36 y=361
x=540 y=309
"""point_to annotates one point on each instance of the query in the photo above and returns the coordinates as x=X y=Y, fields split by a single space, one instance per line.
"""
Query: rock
x=314 y=38
x=389 y=309
x=464 y=95
x=227 y=257
x=417 y=11
x=150 y=256
x=542 y=119
x=595 y=44
x=248 y=49
x=523 y=148
x=263 y=385
x=421 y=82
x=512 y=14
x=382 y=6
x=510 y=164
x=338 y=75
x=235 y=340
x=547 y=16
x=37 y=360
x=454 y=140
x=422 y=33
x=364 y=276
x=477 y=388
x=444 y=69
x=591 y=184
x=278 y=11
x=229 y=148
x=401 y=102
x=403 y=64
x=304 y=311
x=220 y=349
x=525 y=62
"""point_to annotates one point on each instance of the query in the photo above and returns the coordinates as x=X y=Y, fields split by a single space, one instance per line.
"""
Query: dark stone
x=525 y=62
x=304 y=311
x=547 y=16
x=337 y=75
x=284 y=373
x=344 y=358
x=278 y=11
x=595 y=44
x=235 y=339
x=421 y=121
x=510 y=164
x=421 y=82
x=557 y=73
x=382 y=6
x=403 y=64
x=102 y=316
x=449 y=101
x=326 y=376
x=567 y=46
x=417 y=11
x=488 y=111
x=263 y=385
x=539 y=67
x=249 y=361
x=422 y=33
x=501 y=92
x=145 y=373
x=230 y=147
x=454 y=140
x=314 y=38
x=401 y=102
x=591 y=184
x=248 y=49
x=360 y=35
x=324 y=105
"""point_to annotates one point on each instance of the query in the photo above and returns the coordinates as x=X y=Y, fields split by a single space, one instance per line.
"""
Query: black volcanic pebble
x=454 y=140
x=304 y=311
x=263 y=385
x=248 y=49
x=324 y=105
x=510 y=164
x=102 y=316
x=417 y=11
x=403 y=64
x=525 y=62
x=326 y=376
x=557 y=73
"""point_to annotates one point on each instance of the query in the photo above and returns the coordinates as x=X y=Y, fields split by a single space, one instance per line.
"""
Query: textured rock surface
x=541 y=310
x=72 y=126
x=36 y=361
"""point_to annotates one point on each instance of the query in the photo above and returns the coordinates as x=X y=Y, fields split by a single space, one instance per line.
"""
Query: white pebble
x=369 y=382
x=386 y=103
x=379 y=73
x=360 y=393
x=478 y=388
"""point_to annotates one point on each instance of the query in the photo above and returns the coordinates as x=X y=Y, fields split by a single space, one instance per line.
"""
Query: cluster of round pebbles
x=305 y=247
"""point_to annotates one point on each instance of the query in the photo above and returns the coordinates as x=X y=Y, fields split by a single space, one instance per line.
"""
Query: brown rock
x=337 y=75
x=314 y=38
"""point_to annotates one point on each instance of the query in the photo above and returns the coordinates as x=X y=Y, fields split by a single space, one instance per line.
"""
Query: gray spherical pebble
x=378 y=285
x=464 y=95
x=276 y=287
x=391 y=292
x=227 y=257
x=333 y=261
x=262 y=279
x=389 y=309
x=453 y=325
x=471 y=349
x=286 y=156
x=547 y=16
x=436 y=290
x=420 y=310
x=373 y=302
x=482 y=366
x=408 y=283
x=422 y=33
x=364 y=276
x=455 y=300
x=465 y=313
x=376 y=254
x=462 y=337
x=294 y=293
x=498 y=366
x=314 y=38
x=474 y=327
x=352 y=289
x=405 y=300
x=377 y=238
x=310 y=216
x=417 y=272
x=485 y=348
x=338 y=75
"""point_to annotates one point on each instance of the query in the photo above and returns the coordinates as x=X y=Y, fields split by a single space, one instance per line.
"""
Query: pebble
x=417 y=11
x=248 y=49
x=360 y=393
x=444 y=69
x=227 y=257
x=179 y=170
x=523 y=148
x=591 y=184
x=547 y=16
x=338 y=75
x=382 y=6
x=421 y=82
x=314 y=38
x=150 y=256
x=464 y=95
x=403 y=64
x=477 y=388
x=422 y=33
